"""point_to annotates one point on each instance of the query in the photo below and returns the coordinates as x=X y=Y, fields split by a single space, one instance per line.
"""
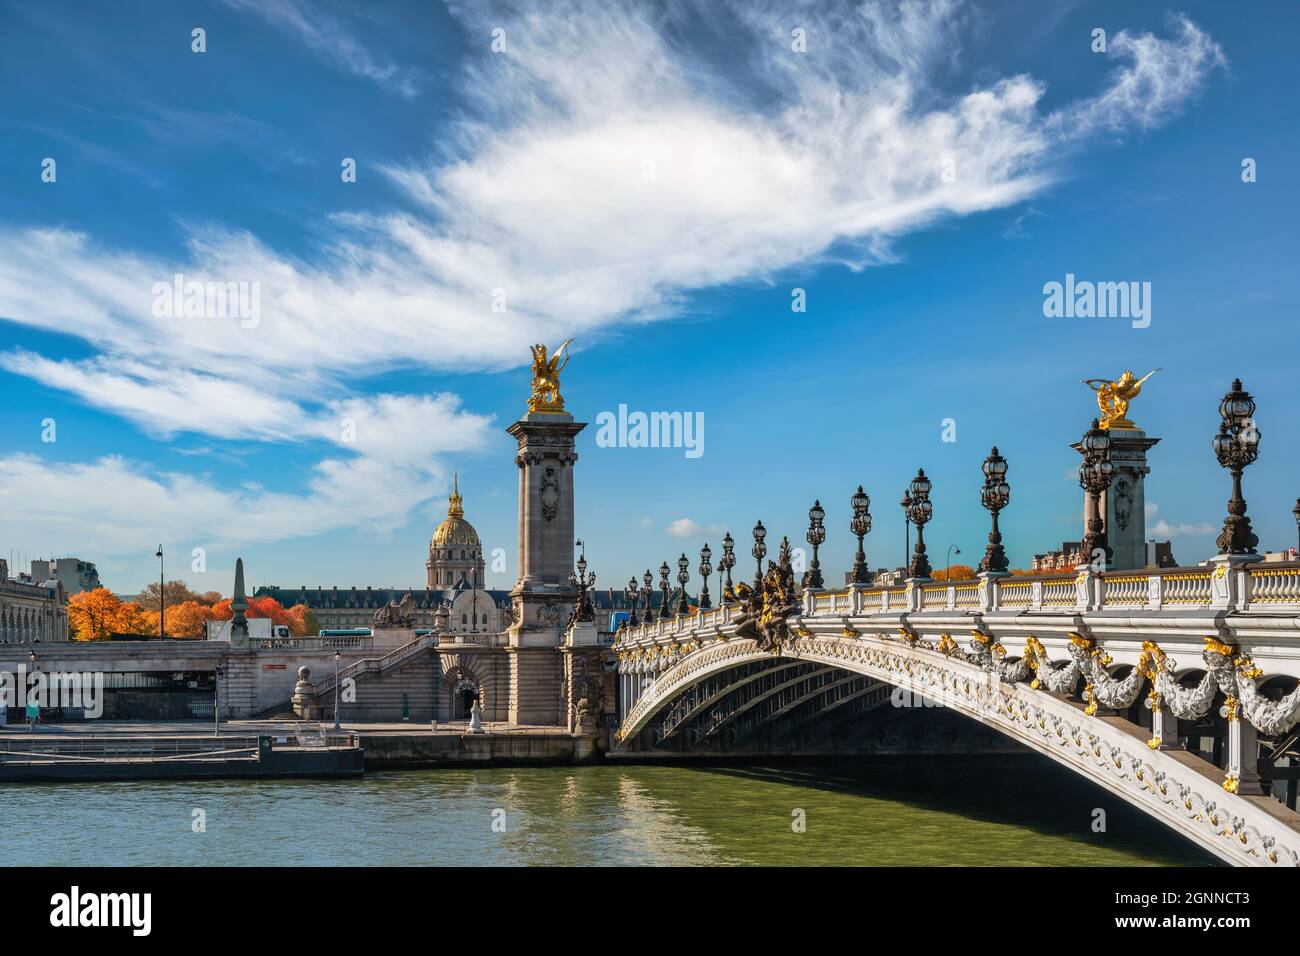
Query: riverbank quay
x=129 y=754
x=139 y=750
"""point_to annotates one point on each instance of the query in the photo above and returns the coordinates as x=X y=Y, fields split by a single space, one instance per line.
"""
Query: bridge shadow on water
x=1021 y=797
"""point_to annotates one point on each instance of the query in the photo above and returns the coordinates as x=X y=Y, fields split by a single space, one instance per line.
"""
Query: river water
x=900 y=813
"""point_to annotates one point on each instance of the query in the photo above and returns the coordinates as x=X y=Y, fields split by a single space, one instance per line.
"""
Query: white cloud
x=609 y=164
x=331 y=39
x=683 y=528
x=1163 y=529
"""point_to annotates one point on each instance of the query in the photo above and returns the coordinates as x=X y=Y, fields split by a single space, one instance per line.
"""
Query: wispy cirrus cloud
x=578 y=191
x=331 y=38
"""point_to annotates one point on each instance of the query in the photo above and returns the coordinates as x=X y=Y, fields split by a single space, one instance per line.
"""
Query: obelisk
x=542 y=595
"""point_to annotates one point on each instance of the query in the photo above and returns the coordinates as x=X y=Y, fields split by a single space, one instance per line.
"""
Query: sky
x=825 y=229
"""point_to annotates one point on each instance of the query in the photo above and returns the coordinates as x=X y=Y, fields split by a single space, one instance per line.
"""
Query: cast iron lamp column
x=162 y=595
x=706 y=568
x=337 y=725
x=995 y=495
x=632 y=596
x=664 y=591
x=683 y=575
x=1095 y=474
x=1236 y=446
x=812 y=578
x=1296 y=511
x=860 y=525
x=759 y=551
x=728 y=561
x=919 y=511
x=647 y=592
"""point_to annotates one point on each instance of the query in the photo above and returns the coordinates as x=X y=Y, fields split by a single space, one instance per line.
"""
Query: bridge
x=1119 y=676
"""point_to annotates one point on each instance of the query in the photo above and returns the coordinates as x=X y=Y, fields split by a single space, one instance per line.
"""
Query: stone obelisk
x=238 y=607
x=542 y=595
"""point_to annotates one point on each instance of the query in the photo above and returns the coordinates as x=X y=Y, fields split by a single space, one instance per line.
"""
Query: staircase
x=398 y=686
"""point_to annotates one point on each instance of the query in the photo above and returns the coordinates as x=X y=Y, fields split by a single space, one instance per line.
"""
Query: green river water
x=902 y=813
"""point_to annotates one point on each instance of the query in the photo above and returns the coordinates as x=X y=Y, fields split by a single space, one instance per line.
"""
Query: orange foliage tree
x=300 y=619
x=958 y=572
x=98 y=614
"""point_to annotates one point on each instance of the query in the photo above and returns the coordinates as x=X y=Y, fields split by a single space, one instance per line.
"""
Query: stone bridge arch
x=1176 y=788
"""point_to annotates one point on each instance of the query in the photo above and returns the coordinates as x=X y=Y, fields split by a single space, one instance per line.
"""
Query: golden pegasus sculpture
x=546 y=379
x=1113 y=397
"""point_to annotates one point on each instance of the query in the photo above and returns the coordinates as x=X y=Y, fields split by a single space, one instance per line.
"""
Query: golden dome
x=455 y=530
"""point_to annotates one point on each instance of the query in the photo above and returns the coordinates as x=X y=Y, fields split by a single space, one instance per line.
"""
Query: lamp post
x=906 y=502
x=683 y=575
x=919 y=511
x=860 y=525
x=812 y=578
x=631 y=595
x=728 y=561
x=995 y=495
x=162 y=594
x=1236 y=446
x=947 y=562
x=337 y=725
x=706 y=568
x=1095 y=474
x=647 y=592
x=583 y=609
x=1296 y=511
x=664 y=592
x=216 y=702
x=759 y=551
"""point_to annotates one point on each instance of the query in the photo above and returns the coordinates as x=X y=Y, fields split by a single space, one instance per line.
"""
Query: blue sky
x=653 y=181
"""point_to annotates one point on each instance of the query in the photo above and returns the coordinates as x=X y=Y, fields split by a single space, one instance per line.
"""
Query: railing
x=337 y=642
x=1275 y=585
x=1263 y=588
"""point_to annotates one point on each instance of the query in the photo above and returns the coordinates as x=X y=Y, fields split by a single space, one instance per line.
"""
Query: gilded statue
x=546 y=379
x=1113 y=397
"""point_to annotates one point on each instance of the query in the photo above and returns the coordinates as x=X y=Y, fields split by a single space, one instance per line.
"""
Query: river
x=900 y=813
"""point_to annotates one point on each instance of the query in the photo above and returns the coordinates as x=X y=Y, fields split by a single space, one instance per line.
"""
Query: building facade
x=74 y=574
x=31 y=612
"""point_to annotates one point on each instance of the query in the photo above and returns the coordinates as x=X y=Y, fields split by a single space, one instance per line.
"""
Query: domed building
x=455 y=551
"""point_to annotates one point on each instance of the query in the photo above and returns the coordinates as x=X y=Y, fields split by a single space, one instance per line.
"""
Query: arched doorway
x=462 y=699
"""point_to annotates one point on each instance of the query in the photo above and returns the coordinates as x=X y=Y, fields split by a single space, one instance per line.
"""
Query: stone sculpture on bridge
x=395 y=615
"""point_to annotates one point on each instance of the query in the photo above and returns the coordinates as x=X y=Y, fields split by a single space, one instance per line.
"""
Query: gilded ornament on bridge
x=546 y=379
x=1113 y=397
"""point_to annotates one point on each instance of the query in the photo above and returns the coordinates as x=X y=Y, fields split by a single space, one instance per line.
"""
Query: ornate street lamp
x=995 y=495
x=1095 y=474
x=631 y=595
x=1296 y=511
x=1236 y=446
x=860 y=524
x=683 y=575
x=816 y=535
x=906 y=502
x=728 y=561
x=706 y=568
x=759 y=551
x=919 y=511
x=647 y=591
x=664 y=613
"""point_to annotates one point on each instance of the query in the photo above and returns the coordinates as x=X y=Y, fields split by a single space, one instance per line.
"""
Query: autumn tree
x=97 y=615
x=176 y=593
x=958 y=572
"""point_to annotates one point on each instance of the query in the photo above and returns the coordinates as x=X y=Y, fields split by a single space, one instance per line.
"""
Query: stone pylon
x=542 y=594
x=1123 y=507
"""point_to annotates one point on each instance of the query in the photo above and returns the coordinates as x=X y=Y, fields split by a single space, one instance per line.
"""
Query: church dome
x=455 y=530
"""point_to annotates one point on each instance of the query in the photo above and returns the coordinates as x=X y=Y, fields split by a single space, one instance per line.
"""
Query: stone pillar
x=1124 y=504
x=542 y=595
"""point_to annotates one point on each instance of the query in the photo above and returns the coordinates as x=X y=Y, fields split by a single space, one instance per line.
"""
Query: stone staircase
x=401 y=685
